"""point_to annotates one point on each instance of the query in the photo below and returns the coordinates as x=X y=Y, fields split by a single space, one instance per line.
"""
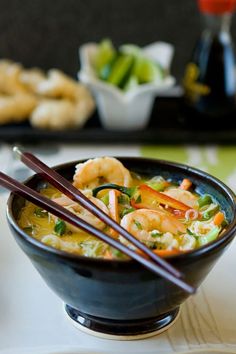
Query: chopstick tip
x=17 y=152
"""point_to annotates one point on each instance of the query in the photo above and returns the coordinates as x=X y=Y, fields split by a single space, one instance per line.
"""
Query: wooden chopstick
x=73 y=193
x=55 y=209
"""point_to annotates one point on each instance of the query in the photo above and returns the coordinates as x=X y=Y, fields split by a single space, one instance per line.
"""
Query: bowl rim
x=225 y=238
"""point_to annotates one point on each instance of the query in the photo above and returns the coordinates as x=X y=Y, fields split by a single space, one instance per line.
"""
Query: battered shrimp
x=10 y=83
x=57 y=85
x=81 y=212
x=16 y=108
x=141 y=223
x=183 y=196
x=54 y=114
x=102 y=169
x=61 y=114
x=31 y=78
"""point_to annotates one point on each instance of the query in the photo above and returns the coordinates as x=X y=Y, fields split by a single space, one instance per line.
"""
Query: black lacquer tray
x=168 y=125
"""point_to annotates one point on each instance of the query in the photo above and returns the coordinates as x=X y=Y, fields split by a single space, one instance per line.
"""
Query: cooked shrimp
x=82 y=212
x=142 y=222
x=57 y=85
x=10 y=83
x=183 y=196
x=102 y=169
x=31 y=78
x=16 y=108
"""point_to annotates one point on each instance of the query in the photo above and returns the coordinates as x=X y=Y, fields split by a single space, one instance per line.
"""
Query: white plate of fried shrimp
x=50 y=100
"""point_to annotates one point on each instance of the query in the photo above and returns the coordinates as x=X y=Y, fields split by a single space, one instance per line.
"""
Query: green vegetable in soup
x=40 y=213
x=211 y=236
x=138 y=224
x=60 y=227
x=204 y=200
x=129 y=191
x=160 y=226
x=210 y=211
x=29 y=229
x=126 y=211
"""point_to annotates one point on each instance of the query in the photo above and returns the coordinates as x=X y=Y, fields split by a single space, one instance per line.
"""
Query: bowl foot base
x=118 y=329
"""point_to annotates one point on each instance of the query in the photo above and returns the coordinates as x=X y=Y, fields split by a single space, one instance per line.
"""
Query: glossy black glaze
x=124 y=290
x=119 y=327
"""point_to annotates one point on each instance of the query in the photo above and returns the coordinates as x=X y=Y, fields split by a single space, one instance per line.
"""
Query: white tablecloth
x=32 y=318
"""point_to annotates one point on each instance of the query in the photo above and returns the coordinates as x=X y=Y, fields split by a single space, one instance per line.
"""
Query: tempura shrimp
x=102 y=169
x=183 y=196
x=82 y=212
x=141 y=223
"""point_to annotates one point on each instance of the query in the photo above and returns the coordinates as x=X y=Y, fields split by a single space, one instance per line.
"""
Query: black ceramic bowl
x=122 y=298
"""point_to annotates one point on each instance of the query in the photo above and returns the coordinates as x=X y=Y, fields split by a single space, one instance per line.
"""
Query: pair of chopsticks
x=154 y=263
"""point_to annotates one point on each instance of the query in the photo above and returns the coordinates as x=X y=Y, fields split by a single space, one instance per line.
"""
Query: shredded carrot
x=141 y=253
x=219 y=218
x=108 y=255
x=164 y=253
x=185 y=184
x=114 y=208
x=161 y=253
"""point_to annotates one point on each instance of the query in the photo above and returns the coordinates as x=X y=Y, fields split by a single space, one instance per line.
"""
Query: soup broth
x=167 y=215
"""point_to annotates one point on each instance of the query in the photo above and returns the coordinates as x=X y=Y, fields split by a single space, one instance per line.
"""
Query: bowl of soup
x=181 y=213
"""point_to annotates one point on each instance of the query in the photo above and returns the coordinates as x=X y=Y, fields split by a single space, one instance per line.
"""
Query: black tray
x=166 y=126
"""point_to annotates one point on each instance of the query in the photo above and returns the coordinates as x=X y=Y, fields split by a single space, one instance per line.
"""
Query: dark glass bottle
x=210 y=82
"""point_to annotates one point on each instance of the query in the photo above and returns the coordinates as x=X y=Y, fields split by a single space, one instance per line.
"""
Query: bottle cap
x=217 y=7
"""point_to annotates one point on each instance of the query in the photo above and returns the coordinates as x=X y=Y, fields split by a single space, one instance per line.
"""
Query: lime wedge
x=131 y=83
x=105 y=71
x=105 y=54
x=147 y=71
x=130 y=49
x=121 y=70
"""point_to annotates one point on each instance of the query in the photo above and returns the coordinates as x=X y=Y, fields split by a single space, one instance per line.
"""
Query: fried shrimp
x=31 y=78
x=141 y=223
x=57 y=85
x=61 y=114
x=16 y=108
x=82 y=212
x=10 y=83
x=53 y=114
x=102 y=169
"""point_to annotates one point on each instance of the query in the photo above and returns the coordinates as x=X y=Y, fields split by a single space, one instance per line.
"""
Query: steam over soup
x=167 y=216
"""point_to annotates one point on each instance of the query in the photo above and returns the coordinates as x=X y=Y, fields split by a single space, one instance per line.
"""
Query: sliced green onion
x=138 y=200
x=28 y=229
x=117 y=253
x=157 y=186
x=40 y=213
x=137 y=223
x=60 y=227
x=211 y=236
x=204 y=200
x=105 y=199
x=156 y=234
x=126 y=211
x=123 y=199
x=210 y=212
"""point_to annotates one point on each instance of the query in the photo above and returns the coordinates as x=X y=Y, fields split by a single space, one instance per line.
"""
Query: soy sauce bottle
x=209 y=82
